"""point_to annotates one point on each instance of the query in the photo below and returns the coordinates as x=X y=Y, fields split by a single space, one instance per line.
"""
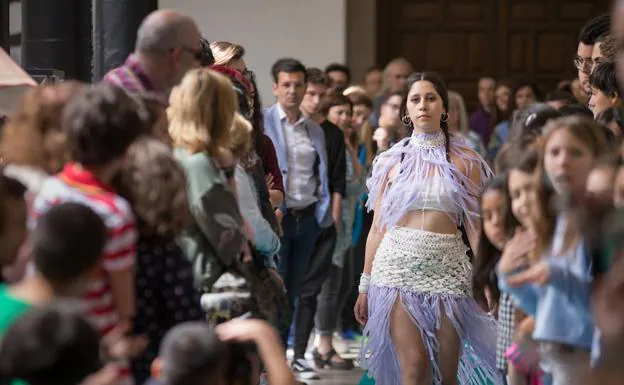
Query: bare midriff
x=428 y=220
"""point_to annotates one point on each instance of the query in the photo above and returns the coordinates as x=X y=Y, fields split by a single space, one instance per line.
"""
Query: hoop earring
x=407 y=122
x=444 y=117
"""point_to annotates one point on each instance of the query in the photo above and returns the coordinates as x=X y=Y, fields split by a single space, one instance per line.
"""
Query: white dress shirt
x=302 y=185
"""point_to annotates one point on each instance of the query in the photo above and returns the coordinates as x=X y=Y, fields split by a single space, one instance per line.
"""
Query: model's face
x=424 y=106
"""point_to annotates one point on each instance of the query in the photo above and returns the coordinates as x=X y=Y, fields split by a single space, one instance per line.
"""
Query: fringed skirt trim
x=429 y=274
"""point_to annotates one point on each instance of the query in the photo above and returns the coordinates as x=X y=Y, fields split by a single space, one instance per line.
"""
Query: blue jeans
x=300 y=234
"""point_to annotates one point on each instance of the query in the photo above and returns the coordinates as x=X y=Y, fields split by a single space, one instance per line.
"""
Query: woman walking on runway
x=422 y=324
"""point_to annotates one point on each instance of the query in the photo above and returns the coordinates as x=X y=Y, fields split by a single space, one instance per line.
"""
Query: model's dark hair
x=337 y=67
x=487 y=256
x=440 y=88
x=317 y=77
x=603 y=78
x=595 y=28
x=101 y=122
x=335 y=99
x=288 y=65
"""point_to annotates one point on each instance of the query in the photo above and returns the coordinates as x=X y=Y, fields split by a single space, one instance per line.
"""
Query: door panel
x=466 y=39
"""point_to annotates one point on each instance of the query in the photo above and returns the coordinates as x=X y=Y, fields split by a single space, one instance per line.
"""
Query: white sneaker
x=303 y=370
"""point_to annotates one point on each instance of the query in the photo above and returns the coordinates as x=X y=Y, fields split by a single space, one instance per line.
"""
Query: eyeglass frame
x=583 y=64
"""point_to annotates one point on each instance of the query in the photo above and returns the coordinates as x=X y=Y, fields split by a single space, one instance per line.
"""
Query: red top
x=269 y=162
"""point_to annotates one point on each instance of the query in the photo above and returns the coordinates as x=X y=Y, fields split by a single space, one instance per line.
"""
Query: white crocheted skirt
x=422 y=261
x=430 y=274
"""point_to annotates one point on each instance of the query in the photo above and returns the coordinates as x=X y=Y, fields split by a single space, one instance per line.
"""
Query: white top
x=301 y=185
x=267 y=242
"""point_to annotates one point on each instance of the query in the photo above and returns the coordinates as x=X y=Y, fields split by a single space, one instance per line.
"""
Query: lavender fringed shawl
x=424 y=156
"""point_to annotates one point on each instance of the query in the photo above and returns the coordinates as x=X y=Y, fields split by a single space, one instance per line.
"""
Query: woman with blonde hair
x=201 y=112
x=229 y=55
x=262 y=157
x=458 y=123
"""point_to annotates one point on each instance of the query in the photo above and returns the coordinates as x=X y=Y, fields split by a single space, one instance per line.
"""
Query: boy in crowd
x=66 y=246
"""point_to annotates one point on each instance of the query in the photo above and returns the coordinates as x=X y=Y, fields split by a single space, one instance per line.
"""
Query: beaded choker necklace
x=428 y=140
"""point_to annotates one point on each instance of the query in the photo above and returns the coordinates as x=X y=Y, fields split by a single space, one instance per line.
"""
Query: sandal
x=322 y=361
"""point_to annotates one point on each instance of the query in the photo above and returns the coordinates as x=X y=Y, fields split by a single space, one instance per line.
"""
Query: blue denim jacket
x=561 y=307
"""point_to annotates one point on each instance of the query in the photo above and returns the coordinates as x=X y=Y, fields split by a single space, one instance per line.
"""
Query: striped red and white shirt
x=76 y=184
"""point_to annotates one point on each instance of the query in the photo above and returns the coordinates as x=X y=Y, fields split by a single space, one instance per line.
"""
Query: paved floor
x=351 y=377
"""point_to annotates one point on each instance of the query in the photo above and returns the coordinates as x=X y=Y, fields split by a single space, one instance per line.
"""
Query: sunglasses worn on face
x=198 y=55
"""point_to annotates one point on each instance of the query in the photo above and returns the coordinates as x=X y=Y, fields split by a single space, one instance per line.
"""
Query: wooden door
x=464 y=40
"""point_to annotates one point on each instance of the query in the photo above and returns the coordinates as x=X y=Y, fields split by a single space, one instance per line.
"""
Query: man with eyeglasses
x=167 y=46
x=592 y=31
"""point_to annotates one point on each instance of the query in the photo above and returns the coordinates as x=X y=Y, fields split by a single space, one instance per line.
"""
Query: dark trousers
x=334 y=292
x=317 y=272
x=300 y=235
x=347 y=320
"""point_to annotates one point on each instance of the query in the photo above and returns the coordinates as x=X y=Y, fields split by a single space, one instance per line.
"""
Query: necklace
x=428 y=140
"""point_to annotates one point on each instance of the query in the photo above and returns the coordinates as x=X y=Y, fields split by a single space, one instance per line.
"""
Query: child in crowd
x=101 y=122
x=164 y=277
x=66 y=246
x=194 y=354
x=492 y=240
x=555 y=287
x=525 y=193
x=53 y=345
